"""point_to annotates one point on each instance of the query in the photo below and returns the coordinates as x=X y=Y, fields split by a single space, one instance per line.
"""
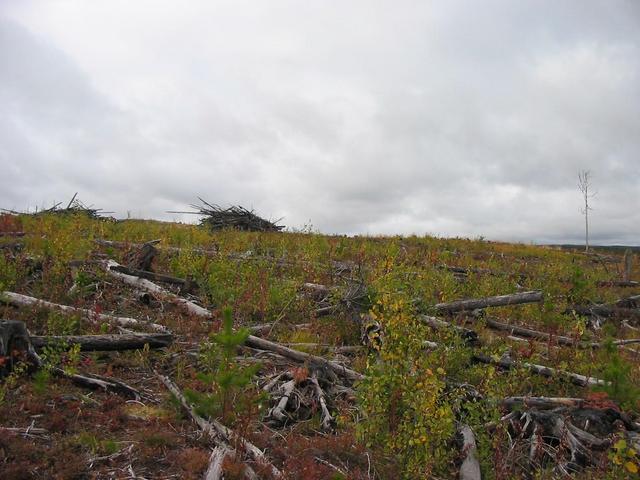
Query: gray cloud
x=447 y=118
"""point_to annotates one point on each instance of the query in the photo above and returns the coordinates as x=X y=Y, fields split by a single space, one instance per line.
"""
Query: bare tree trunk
x=256 y=342
x=497 y=301
x=144 y=284
x=19 y=300
x=104 y=343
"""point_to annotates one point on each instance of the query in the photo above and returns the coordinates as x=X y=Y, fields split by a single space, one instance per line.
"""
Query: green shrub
x=401 y=386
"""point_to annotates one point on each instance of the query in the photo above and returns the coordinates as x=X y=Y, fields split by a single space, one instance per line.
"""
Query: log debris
x=18 y=300
x=217 y=431
x=470 y=336
x=104 y=343
x=470 y=468
x=147 y=285
x=328 y=421
x=153 y=276
x=302 y=357
x=507 y=364
x=497 y=301
x=214 y=471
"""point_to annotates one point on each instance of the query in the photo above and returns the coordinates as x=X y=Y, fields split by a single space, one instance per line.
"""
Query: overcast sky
x=450 y=118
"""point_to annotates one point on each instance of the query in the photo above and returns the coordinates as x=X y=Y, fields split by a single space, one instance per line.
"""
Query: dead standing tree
x=584 y=184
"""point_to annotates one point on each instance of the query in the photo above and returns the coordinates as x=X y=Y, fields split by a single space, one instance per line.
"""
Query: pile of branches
x=237 y=217
x=73 y=207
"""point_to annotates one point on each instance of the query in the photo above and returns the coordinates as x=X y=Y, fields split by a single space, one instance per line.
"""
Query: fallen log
x=541 y=402
x=144 y=284
x=327 y=420
x=155 y=277
x=604 y=310
x=123 y=245
x=507 y=364
x=15 y=336
x=104 y=343
x=632 y=302
x=529 y=333
x=214 y=470
x=18 y=300
x=470 y=468
x=497 y=301
x=559 y=339
x=302 y=357
x=30 y=430
x=12 y=245
x=218 y=432
x=618 y=283
x=470 y=336
x=97 y=382
x=278 y=413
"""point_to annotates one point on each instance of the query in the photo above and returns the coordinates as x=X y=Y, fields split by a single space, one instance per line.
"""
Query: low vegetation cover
x=163 y=350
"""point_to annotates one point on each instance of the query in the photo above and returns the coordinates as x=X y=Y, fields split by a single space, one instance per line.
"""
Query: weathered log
x=19 y=300
x=559 y=339
x=175 y=250
x=604 y=310
x=90 y=343
x=327 y=421
x=316 y=291
x=507 y=364
x=153 y=276
x=217 y=431
x=541 y=402
x=470 y=468
x=214 y=471
x=16 y=341
x=272 y=383
x=529 y=333
x=470 y=336
x=618 y=283
x=265 y=328
x=11 y=245
x=298 y=356
x=153 y=288
x=497 y=301
x=632 y=302
x=25 y=431
x=278 y=412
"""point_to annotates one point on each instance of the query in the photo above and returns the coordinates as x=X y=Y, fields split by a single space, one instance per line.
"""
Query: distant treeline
x=601 y=248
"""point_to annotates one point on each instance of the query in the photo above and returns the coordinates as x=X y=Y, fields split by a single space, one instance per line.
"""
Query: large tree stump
x=142 y=257
x=14 y=345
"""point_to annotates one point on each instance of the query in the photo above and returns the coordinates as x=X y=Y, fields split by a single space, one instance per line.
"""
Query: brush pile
x=73 y=207
x=235 y=217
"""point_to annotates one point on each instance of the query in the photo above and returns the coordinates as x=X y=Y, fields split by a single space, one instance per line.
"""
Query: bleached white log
x=19 y=300
x=149 y=286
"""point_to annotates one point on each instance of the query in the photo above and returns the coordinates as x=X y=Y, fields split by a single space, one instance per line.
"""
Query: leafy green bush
x=400 y=386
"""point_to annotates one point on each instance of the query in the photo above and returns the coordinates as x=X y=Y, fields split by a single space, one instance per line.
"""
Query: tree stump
x=142 y=258
x=14 y=345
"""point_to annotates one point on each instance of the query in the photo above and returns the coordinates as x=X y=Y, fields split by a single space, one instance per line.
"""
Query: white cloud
x=453 y=118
